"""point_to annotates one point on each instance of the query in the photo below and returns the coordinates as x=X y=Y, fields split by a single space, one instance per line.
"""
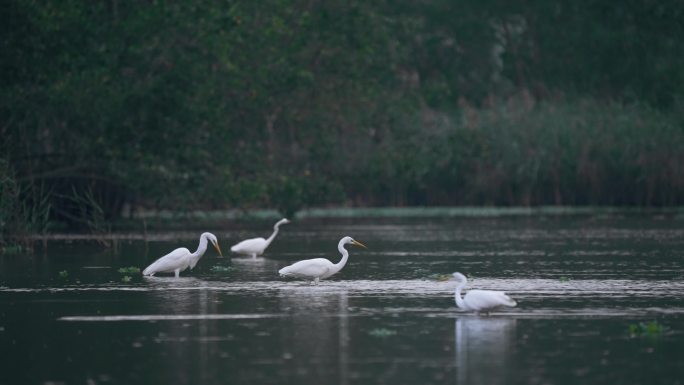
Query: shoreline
x=159 y=225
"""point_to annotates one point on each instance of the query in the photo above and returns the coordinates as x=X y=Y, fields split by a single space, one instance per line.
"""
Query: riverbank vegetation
x=109 y=106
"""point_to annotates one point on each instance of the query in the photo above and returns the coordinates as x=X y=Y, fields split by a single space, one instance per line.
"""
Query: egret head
x=459 y=277
x=284 y=221
x=350 y=240
x=212 y=238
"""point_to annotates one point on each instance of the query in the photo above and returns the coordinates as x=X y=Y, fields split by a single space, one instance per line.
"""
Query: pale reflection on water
x=316 y=345
x=483 y=347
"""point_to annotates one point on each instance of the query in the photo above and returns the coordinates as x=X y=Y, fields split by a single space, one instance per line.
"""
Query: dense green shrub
x=287 y=104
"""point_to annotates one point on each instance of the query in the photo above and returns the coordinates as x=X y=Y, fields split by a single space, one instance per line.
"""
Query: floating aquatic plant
x=382 y=332
x=126 y=278
x=221 y=268
x=12 y=249
x=129 y=270
x=564 y=279
x=646 y=329
x=63 y=274
x=439 y=277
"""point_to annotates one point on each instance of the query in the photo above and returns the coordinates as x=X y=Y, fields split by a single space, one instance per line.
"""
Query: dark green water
x=579 y=282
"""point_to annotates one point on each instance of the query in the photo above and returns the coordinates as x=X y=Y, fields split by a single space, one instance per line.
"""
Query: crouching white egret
x=480 y=300
x=319 y=268
x=181 y=258
x=256 y=246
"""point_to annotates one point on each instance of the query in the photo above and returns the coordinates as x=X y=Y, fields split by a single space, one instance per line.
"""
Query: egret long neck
x=459 y=301
x=200 y=250
x=275 y=232
x=345 y=256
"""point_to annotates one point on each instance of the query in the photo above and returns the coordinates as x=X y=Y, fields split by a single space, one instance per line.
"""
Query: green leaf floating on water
x=129 y=270
x=646 y=329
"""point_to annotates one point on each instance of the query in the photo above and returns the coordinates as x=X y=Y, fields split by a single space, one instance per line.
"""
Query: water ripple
x=531 y=288
x=166 y=317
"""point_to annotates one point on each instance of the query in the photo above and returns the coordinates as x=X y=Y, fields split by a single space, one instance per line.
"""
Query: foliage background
x=107 y=105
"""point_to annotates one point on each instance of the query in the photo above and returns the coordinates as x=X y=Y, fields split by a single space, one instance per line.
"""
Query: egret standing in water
x=319 y=268
x=181 y=258
x=256 y=246
x=480 y=300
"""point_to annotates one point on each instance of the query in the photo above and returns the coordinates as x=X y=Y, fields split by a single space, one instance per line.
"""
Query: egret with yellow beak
x=181 y=258
x=320 y=268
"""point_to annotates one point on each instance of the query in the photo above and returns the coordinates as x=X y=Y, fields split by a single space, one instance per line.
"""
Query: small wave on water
x=537 y=298
x=413 y=288
x=166 y=317
x=518 y=313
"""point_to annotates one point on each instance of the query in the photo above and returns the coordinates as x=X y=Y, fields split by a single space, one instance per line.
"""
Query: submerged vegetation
x=108 y=107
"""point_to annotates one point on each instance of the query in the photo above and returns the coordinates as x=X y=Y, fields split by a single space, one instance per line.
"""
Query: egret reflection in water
x=318 y=338
x=483 y=348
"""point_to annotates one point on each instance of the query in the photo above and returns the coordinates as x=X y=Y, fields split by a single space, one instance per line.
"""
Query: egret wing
x=485 y=299
x=169 y=262
x=309 y=268
x=249 y=246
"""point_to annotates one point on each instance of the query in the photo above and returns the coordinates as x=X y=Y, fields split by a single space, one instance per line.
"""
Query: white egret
x=181 y=258
x=319 y=268
x=256 y=246
x=480 y=300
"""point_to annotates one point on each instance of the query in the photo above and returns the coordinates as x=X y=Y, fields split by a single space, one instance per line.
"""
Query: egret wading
x=181 y=258
x=480 y=300
x=256 y=246
x=320 y=268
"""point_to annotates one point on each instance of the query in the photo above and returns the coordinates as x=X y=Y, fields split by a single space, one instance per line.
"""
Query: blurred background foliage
x=112 y=105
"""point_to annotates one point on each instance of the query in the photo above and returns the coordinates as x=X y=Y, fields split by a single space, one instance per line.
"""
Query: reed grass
x=582 y=152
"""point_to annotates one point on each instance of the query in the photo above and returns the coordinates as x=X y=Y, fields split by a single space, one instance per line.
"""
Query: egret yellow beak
x=216 y=245
x=357 y=243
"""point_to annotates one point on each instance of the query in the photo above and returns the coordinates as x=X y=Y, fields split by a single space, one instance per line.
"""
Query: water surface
x=580 y=283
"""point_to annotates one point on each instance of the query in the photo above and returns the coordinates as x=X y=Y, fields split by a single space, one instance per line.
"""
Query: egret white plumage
x=320 y=268
x=181 y=258
x=480 y=300
x=256 y=246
